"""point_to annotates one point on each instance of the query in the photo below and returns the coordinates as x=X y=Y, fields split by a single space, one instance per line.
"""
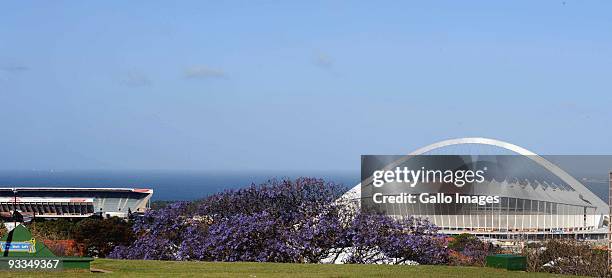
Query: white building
x=66 y=202
x=553 y=203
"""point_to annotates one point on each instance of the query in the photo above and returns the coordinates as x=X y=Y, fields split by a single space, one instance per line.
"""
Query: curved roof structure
x=577 y=186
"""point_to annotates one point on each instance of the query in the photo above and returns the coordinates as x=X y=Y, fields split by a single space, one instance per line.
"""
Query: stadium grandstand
x=55 y=202
x=548 y=202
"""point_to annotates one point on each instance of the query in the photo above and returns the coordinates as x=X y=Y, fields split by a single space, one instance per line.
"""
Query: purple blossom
x=280 y=221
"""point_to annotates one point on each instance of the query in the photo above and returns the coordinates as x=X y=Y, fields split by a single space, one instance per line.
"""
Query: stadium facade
x=551 y=204
x=65 y=202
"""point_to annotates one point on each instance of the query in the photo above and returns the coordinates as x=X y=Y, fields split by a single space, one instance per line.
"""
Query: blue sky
x=271 y=85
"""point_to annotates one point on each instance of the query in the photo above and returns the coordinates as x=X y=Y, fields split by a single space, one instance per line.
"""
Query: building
x=547 y=203
x=56 y=202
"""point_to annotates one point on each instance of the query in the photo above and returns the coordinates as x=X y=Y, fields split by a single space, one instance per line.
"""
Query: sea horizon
x=168 y=185
x=186 y=185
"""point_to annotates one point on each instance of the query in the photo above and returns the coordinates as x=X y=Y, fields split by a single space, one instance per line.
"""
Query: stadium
x=545 y=202
x=55 y=202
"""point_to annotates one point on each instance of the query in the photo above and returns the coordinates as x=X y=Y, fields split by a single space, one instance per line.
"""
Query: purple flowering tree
x=280 y=221
x=375 y=239
x=258 y=237
x=159 y=234
x=288 y=200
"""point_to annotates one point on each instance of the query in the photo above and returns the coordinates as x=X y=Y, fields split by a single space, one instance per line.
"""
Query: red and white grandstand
x=67 y=202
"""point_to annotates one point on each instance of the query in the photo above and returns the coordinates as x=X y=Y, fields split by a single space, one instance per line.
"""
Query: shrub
x=468 y=250
x=101 y=236
x=93 y=236
x=60 y=229
x=65 y=247
x=3 y=230
x=567 y=257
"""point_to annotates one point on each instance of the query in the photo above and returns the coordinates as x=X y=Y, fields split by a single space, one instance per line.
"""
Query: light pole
x=14 y=207
x=610 y=222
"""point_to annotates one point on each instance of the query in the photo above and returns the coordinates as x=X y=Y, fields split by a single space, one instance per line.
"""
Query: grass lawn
x=123 y=268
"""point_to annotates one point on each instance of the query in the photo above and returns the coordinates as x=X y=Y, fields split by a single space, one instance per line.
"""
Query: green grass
x=123 y=268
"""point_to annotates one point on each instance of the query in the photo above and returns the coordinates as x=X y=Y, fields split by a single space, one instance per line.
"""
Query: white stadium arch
x=600 y=207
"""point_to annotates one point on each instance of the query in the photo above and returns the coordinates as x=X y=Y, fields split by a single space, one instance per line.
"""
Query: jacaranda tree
x=280 y=221
x=159 y=233
x=380 y=239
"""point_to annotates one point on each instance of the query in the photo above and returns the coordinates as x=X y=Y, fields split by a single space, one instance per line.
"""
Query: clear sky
x=282 y=85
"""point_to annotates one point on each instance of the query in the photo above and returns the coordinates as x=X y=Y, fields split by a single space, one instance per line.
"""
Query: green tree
x=2 y=228
x=52 y=229
x=101 y=236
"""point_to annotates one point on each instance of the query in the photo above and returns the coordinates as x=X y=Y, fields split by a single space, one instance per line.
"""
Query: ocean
x=185 y=185
x=167 y=185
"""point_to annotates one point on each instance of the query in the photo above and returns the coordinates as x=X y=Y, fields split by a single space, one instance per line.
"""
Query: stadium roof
x=98 y=189
x=55 y=202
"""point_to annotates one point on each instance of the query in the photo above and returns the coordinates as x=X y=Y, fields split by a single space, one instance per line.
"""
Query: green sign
x=20 y=251
x=20 y=243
